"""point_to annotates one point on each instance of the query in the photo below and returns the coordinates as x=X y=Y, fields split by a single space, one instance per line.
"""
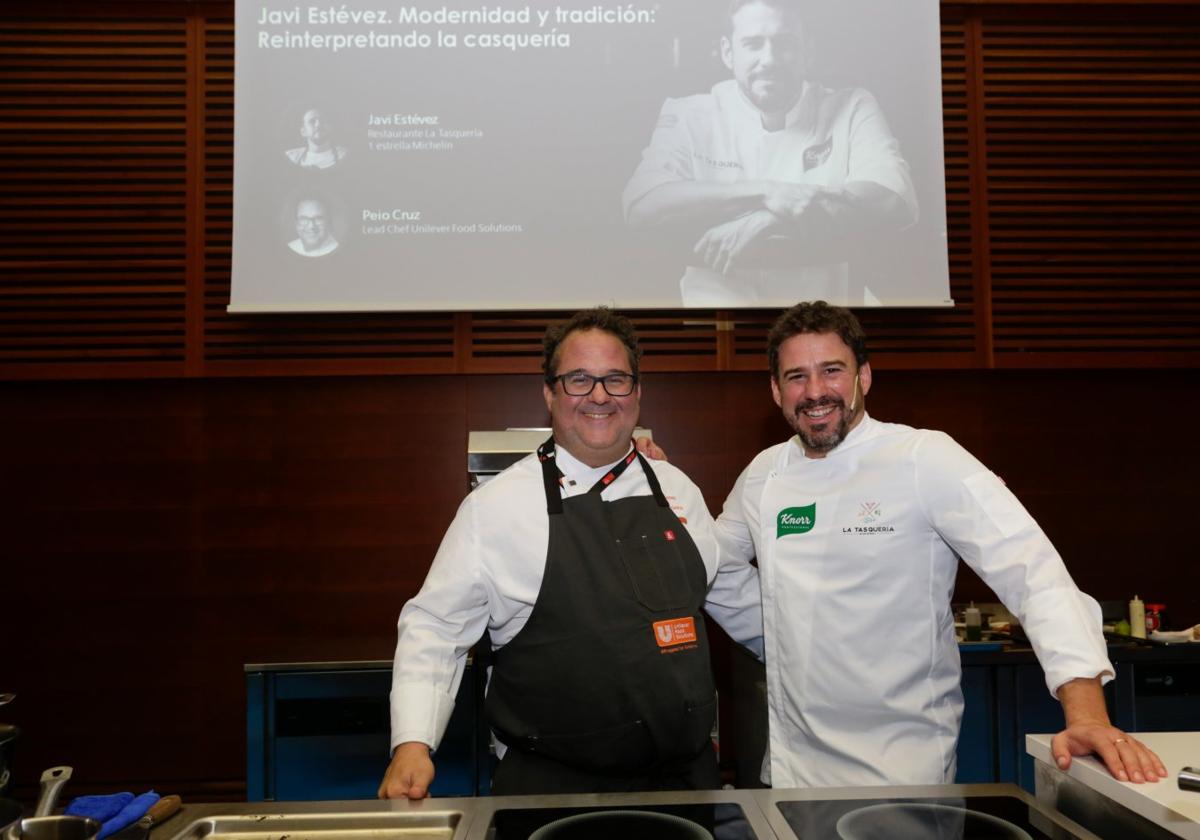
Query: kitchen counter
x=1085 y=786
x=755 y=813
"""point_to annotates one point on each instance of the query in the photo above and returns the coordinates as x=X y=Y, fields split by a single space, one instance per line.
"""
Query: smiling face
x=312 y=223
x=765 y=52
x=595 y=428
x=820 y=389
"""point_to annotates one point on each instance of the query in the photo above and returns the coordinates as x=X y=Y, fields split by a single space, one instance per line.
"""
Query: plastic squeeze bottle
x=974 y=624
x=1137 y=618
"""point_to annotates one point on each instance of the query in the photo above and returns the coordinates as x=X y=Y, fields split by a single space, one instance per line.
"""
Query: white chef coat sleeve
x=436 y=630
x=735 y=597
x=985 y=524
x=875 y=152
x=666 y=160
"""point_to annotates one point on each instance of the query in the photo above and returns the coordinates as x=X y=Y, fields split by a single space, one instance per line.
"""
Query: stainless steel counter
x=469 y=819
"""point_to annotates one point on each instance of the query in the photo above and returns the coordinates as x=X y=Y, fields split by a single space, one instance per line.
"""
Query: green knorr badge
x=796 y=520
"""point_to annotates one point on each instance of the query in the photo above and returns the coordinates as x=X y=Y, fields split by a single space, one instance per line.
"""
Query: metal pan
x=41 y=826
x=52 y=783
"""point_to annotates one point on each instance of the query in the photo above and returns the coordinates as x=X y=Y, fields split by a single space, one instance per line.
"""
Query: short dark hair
x=787 y=6
x=816 y=317
x=597 y=318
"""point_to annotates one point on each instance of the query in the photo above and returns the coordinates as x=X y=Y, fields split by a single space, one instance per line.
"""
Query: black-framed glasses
x=580 y=384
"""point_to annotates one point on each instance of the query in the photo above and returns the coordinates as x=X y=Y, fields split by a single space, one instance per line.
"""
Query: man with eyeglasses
x=588 y=568
x=314 y=234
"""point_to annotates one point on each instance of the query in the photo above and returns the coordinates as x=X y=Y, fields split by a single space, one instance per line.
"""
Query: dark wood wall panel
x=1072 y=199
x=160 y=534
x=93 y=179
x=1091 y=129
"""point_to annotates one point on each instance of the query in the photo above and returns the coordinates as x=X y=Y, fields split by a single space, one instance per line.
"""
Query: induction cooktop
x=1003 y=817
x=721 y=820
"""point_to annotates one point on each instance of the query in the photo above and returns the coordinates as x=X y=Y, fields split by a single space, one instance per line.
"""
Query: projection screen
x=648 y=154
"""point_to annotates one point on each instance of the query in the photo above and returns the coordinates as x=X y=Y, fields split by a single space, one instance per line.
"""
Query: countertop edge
x=1162 y=802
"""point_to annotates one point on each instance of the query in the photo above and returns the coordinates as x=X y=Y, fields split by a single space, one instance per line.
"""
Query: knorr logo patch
x=796 y=520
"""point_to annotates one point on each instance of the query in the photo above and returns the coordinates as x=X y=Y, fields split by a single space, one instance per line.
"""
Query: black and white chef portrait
x=768 y=183
x=320 y=149
x=314 y=228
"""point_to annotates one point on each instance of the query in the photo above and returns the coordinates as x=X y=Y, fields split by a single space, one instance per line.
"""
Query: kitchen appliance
x=943 y=812
x=719 y=814
x=725 y=814
x=622 y=822
x=726 y=820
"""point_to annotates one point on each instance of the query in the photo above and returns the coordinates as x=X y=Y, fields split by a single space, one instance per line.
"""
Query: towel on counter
x=128 y=815
x=98 y=807
x=114 y=811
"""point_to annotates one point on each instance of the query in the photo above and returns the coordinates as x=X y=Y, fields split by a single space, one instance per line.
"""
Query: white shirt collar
x=575 y=470
x=795 y=448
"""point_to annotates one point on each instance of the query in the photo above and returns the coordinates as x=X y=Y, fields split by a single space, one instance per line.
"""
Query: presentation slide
x=558 y=154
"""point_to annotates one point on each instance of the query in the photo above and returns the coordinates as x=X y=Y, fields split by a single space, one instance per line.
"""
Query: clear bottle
x=1137 y=618
x=974 y=623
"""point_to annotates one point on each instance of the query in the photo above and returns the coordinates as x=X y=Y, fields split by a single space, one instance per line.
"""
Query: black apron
x=608 y=686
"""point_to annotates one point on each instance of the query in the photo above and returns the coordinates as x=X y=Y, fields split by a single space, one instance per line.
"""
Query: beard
x=825 y=436
x=778 y=97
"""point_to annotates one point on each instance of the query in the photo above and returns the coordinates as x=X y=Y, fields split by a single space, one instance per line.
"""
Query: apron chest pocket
x=656 y=571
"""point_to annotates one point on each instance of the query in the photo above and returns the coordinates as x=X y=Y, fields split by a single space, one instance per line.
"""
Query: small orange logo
x=670 y=535
x=675 y=631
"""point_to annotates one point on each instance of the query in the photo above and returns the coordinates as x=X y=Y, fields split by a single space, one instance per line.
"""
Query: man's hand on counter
x=409 y=774
x=1089 y=731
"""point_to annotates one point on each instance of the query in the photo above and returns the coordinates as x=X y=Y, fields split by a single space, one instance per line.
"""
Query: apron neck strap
x=552 y=476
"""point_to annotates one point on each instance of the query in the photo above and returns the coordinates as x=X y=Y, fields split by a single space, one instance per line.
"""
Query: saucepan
x=627 y=824
x=41 y=826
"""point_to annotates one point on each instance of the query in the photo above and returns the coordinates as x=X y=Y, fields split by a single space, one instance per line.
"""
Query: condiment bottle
x=973 y=622
x=1137 y=618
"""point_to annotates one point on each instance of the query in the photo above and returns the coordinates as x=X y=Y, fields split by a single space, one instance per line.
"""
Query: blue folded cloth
x=99 y=807
x=131 y=813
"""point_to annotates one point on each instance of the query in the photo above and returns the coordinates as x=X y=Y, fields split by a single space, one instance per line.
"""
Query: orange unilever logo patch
x=675 y=631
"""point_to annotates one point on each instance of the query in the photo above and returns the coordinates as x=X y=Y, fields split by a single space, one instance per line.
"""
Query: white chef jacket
x=488 y=571
x=830 y=138
x=857 y=556
x=329 y=247
x=308 y=159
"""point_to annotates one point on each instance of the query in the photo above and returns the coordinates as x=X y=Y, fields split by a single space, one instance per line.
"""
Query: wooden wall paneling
x=973 y=130
x=512 y=342
x=1093 y=184
x=1072 y=195
x=93 y=182
x=216 y=126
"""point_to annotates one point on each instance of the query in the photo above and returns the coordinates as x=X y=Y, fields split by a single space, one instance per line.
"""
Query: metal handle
x=1189 y=779
x=52 y=782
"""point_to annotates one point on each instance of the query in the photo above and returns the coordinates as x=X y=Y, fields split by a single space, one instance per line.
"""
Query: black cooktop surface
x=724 y=821
x=947 y=818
